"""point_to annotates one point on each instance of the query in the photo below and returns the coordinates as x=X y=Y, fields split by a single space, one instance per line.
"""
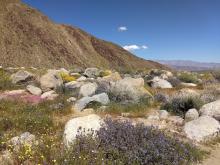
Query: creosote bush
x=180 y=105
x=127 y=144
x=188 y=77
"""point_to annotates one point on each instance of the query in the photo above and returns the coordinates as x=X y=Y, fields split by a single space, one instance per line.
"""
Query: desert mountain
x=29 y=38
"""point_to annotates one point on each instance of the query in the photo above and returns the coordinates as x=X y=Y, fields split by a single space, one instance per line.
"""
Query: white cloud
x=131 y=47
x=122 y=28
x=144 y=47
x=134 y=47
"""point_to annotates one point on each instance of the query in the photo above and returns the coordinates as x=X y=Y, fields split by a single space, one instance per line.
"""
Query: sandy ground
x=214 y=157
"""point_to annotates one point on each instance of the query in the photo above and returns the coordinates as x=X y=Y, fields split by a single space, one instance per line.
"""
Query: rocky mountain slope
x=29 y=38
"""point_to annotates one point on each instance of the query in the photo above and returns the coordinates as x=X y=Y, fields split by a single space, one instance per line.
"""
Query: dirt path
x=214 y=157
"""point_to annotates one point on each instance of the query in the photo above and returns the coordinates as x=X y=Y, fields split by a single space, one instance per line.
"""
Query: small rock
x=34 y=90
x=50 y=95
x=153 y=117
x=176 y=120
x=21 y=76
x=201 y=129
x=188 y=84
x=71 y=100
x=191 y=114
x=87 y=123
x=163 y=114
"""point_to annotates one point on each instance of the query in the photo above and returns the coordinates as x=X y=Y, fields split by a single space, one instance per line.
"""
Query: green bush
x=180 y=105
x=5 y=81
x=188 y=78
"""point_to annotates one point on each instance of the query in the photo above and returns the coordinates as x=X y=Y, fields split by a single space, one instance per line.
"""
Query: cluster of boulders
x=102 y=87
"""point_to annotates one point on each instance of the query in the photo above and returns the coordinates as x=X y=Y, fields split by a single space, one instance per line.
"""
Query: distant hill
x=190 y=65
x=29 y=38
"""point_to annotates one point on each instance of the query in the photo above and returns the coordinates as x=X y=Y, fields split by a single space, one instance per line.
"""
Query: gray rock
x=34 y=90
x=71 y=100
x=83 y=102
x=129 y=90
x=50 y=95
x=82 y=78
x=191 y=114
x=163 y=114
x=88 y=89
x=201 y=129
x=87 y=123
x=21 y=76
x=51 y=80
x=157 y=82
x=92 y=72
x=211 y=109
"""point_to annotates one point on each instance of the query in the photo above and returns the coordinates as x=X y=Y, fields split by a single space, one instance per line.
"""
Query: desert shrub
x=124 y=143
x=180 y=105
x=66 y=77
x=188 y=77
x=161 y=97
x=175 y=82
x=5 y=81
x=207 y=77
x=105 y=73
x=216 y=75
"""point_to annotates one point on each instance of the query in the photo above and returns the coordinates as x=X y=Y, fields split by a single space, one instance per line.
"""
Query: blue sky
x=154 y=29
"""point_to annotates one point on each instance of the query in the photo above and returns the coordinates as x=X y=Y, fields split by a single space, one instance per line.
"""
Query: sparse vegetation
x=123 y=143
x=188 y=77
x=180 y=105
x=5 y=81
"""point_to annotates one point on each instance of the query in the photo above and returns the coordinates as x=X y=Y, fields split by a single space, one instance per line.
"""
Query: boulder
x=87 y=123
x=115 y=76
x=201 y=129
x=82 y=78
x=163 y=114
x=92 y=72
x=51 y=80
x=50 y=95
x=21 y=76
x=157 y=82
x=211 y=109
x=88 y=89
x=129 y=90
x=83 y=102
x=34 y=90
x=191 y=114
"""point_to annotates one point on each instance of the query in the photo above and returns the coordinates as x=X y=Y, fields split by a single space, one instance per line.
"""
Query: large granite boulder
x=72 y=128
x=129 y=90
x=211 y=109
x=51 y=80
x=201 y=129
